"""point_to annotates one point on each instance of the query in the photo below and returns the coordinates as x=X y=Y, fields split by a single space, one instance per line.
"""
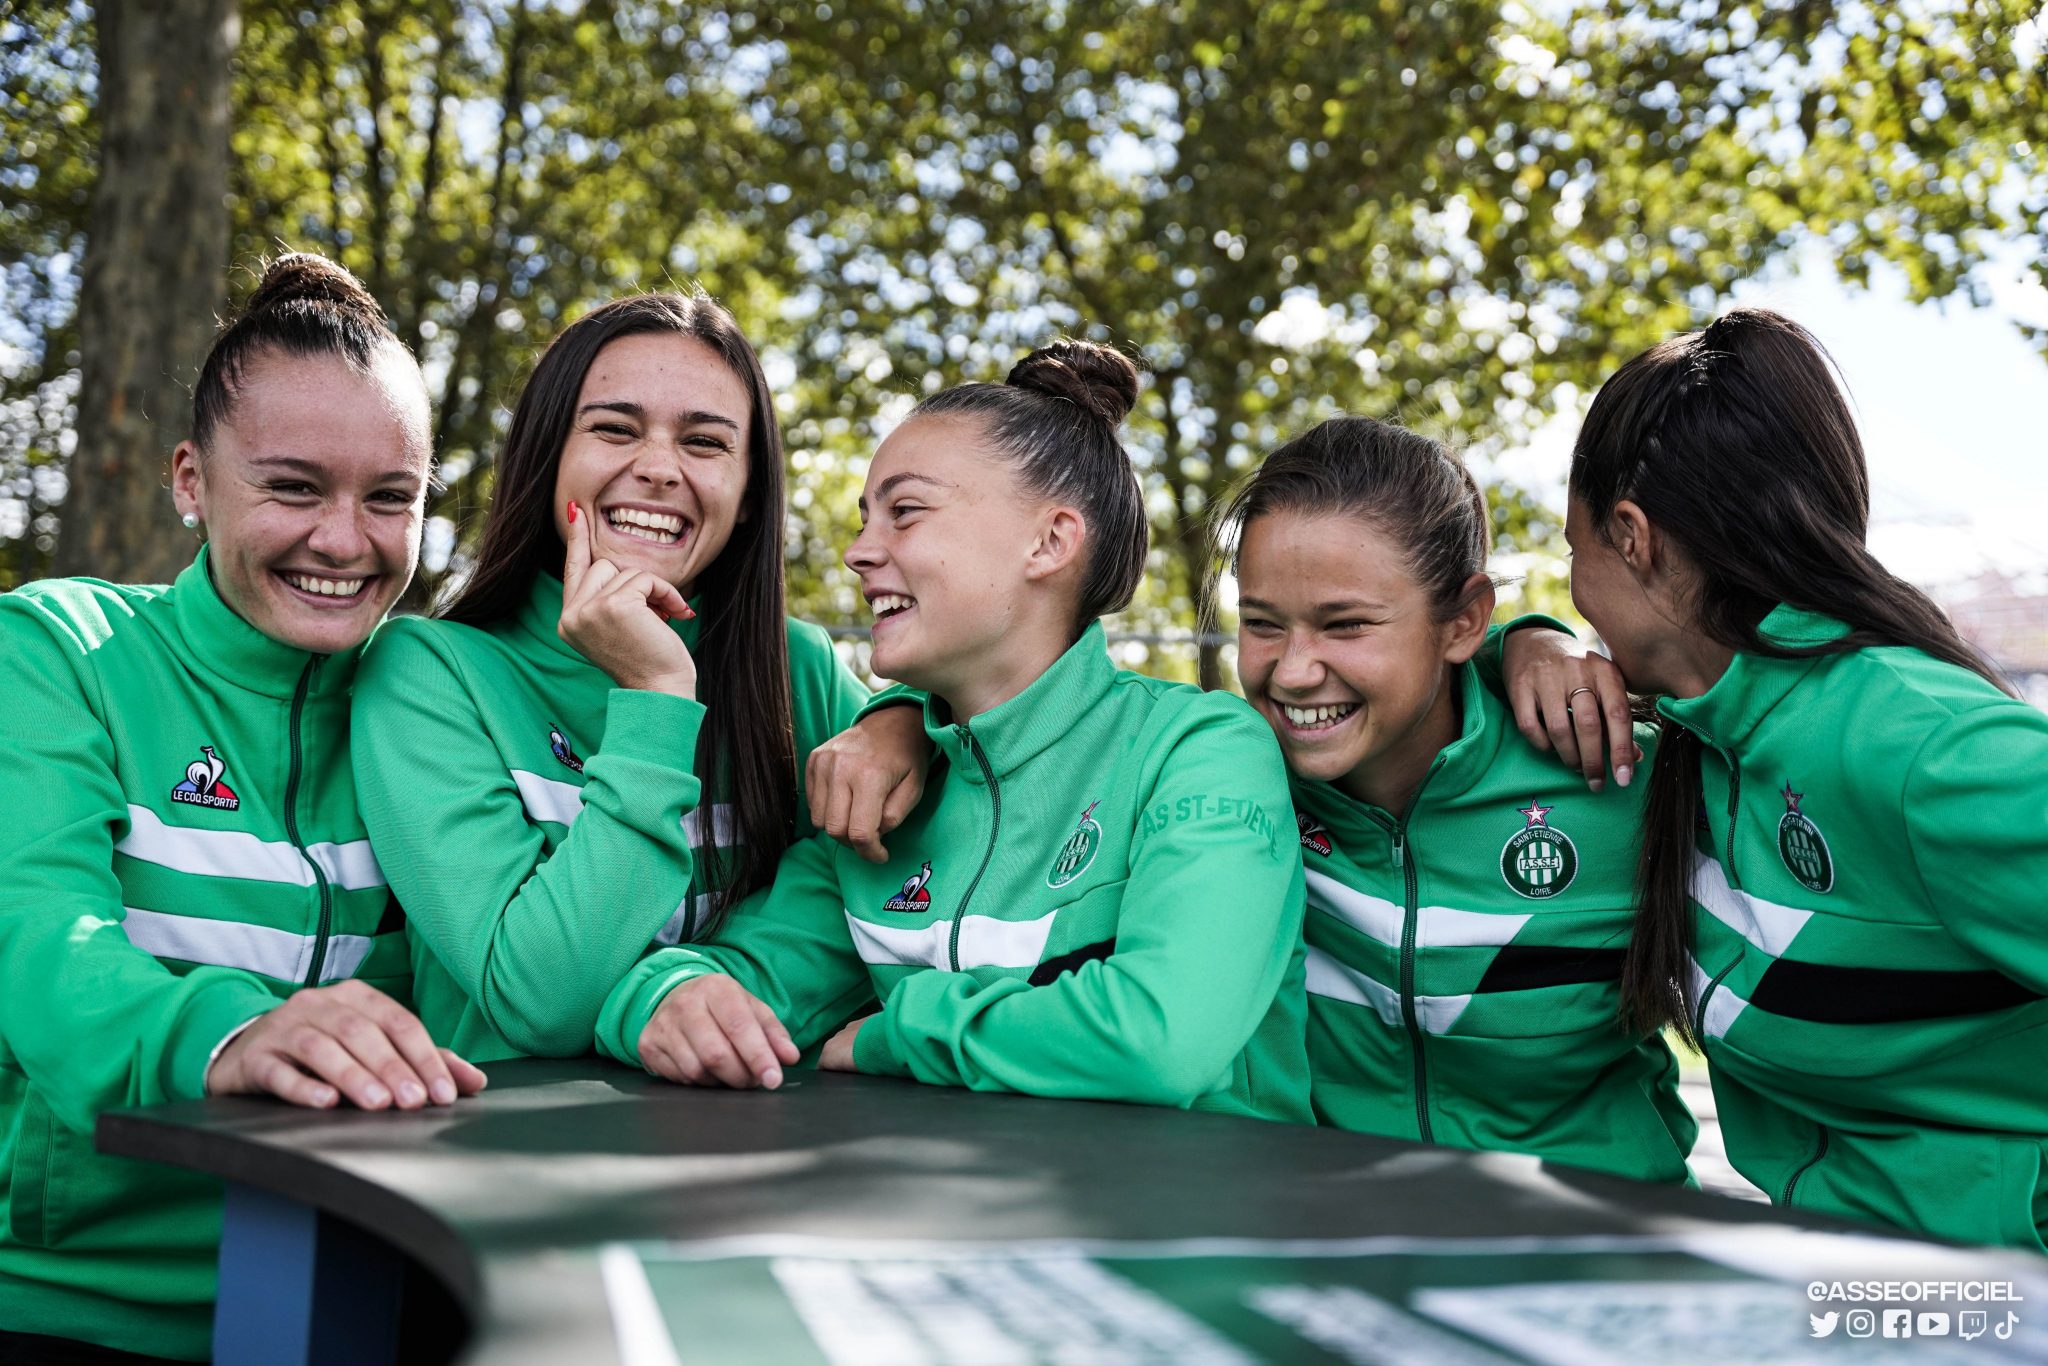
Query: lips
x=335 y=590
x=887 y=605
x=1321 y=717
x=655 y=526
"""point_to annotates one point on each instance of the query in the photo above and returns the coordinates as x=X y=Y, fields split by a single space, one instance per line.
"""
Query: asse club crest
x=1802 y=846
x=1538 y=861
x=1079 y=850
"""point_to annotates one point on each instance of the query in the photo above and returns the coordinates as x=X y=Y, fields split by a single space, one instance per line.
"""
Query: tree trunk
x=154 y=278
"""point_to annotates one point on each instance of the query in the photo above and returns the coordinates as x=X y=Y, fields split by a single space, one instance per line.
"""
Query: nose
x=658 y=465
x=865 y=554
x=339 y=537
x=1298 y=670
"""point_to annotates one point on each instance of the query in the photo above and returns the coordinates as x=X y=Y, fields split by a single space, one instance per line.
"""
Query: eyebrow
x=693 y=418
x=882 y=489
x=1343 y=605
x=314 y=469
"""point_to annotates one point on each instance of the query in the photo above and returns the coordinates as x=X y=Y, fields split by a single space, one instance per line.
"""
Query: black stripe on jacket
x=1825 y=993
x=1519 y=967
x=1071 y=961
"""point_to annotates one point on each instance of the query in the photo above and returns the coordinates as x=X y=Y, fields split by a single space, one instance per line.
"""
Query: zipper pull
x=1400 y=849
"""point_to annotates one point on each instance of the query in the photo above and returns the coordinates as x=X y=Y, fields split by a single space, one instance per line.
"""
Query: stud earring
x=191 y=521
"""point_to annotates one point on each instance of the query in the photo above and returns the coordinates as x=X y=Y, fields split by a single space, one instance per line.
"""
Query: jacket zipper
x=1699 y=1014
x=995 y=794
x=1792 y=1182
x=1411 y=913
x=291 y=823
x=1734 y=801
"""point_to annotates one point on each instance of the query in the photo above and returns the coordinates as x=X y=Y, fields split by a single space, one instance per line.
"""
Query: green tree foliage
x=1461 y=214
x=48 y=152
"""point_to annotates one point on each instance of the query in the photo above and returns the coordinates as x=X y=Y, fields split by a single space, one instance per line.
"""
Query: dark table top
x=509 y=1197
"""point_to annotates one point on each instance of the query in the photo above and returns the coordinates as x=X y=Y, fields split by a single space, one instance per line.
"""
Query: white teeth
x=665 y=526
x=1308 y=718
x=885 y=604
x=326 y=588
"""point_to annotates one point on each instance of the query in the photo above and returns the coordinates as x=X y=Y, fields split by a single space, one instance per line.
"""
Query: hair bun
x=302 y=277
x=1097 y=379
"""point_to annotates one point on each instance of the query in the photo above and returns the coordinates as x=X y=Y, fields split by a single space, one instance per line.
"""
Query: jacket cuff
x=653 y=727
x=648 y=999
x=208 y=1027
x=1537 y=619
x=897 y=695
x=874 y=1048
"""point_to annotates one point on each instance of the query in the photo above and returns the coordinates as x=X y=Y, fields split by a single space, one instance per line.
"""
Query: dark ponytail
x=1406 y=485
x=1055 y=420
x=305 y=305
x=1737 y=444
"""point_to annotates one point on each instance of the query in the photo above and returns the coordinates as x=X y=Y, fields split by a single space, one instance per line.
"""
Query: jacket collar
x=1016 y=732
x=540 y=616
x=216 y=641
x=1726 y=714
x=1483 y=719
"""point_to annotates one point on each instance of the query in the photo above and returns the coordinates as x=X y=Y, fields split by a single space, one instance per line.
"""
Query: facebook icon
x=1898 y=1323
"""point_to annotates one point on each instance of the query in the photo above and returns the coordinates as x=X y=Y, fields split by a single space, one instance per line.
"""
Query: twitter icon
x=1823 y=1324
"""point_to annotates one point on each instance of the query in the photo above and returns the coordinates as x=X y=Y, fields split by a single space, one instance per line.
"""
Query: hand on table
x=1545 y=671
x=838 y=1053
x=348 y=1041
x=865 y=780
x=711 y=1031
x=619 y=618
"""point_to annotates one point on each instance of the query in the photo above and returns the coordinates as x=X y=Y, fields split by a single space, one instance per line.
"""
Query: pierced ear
x=188 y=481
x=1058 y=545
x=1465 y=632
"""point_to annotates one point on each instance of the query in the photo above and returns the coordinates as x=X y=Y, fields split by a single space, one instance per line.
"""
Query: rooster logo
x=559 y=743
x=202 y=785
x=915 y=895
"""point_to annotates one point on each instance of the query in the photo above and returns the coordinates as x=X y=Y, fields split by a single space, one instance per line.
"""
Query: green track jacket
x=1097 y=897
x=541 y=826
x=1871 y=943
x=1463 y=963
x=186 y=853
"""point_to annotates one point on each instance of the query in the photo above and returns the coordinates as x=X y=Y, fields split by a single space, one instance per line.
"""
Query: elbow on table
x=1158 y=1073
x=557 y=1030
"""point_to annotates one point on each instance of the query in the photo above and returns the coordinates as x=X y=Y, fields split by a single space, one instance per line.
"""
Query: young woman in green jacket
x=1844 y=848
x=190 y=906
x=1098 y=894
x=595 y=748
x=1468 y=902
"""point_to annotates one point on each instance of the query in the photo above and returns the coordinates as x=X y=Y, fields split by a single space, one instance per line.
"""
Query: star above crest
x=1535 y=813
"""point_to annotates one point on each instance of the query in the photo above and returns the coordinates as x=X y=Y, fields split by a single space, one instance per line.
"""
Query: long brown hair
x=1737 y=444
x=746 y=748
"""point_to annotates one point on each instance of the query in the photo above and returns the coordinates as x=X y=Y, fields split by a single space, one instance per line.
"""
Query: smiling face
x=953 y=560
x=1339 y=651
x=312 y=493
x=658 y=452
